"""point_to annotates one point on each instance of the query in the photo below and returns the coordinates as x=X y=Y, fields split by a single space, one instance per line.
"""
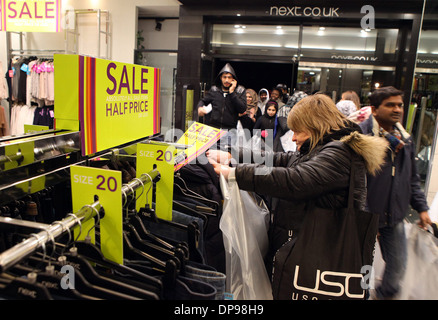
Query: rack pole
x=20 y=251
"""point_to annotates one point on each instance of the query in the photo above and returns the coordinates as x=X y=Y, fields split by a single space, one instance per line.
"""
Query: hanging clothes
x=4 y=126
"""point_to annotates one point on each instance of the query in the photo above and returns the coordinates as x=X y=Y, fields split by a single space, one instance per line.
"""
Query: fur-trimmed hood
x=371 y=148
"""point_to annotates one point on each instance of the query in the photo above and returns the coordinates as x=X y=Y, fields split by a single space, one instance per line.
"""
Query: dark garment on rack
x=189 y=287
x=44 y=116
x=202 y=179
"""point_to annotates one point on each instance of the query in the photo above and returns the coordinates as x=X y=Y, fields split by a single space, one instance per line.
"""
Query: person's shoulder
x=214 y=89
x=240 y=89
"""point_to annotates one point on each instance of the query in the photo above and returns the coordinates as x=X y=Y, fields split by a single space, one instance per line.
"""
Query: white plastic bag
x=244 y=226
x=433 y=211
x=287 y=143
x=421 y=278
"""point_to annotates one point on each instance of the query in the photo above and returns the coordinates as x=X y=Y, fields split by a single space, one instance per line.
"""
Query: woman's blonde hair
x=317 y=116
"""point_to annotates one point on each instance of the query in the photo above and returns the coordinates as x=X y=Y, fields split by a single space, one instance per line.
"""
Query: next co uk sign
x=30 y=15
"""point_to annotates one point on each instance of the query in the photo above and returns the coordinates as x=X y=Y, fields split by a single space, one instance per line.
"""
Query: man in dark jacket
x=395 y=188
x=226 y=100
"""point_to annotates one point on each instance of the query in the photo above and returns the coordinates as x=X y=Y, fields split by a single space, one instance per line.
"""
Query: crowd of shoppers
x=330 y=138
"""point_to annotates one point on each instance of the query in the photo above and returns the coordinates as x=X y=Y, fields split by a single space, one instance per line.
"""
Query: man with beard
x=222 y=104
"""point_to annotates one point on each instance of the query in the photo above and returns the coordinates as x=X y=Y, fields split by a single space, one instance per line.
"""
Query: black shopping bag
x=329 y=257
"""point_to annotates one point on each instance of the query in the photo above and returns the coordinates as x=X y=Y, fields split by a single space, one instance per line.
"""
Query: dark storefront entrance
x=310 y=46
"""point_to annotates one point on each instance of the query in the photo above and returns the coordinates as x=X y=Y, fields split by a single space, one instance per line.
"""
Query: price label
x=161 y=157
x=86 y=184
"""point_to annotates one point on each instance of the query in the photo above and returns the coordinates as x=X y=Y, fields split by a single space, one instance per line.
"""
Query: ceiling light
x=236 y=26
x=279 y=27
x=321 y=28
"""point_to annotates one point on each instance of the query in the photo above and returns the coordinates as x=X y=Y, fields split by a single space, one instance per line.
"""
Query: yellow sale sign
x=111 y=103
x=30 y=15
x=200 y=138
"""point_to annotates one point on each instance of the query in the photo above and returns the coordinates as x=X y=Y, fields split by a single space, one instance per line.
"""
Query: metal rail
x=20 y=251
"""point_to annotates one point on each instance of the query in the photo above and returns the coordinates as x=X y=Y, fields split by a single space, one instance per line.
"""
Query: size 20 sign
x=88 y=182
x=101 y=182
x=160 y=157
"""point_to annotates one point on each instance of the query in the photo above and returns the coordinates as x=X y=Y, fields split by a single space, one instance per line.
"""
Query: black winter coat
x=225 y=110
x=390 y=196
x=320 y=177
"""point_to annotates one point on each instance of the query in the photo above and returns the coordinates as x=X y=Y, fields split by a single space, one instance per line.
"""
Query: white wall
x=123 y=26
x=166 y=39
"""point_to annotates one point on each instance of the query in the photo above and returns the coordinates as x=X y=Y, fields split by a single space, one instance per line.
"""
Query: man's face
x=389 y=112
x=226 y=79
x=275 y=94
x=263 y=96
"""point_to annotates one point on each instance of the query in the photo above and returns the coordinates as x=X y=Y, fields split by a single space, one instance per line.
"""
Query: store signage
x=304 y=11
x=161 y=157
x=86 y=184
x=427 y=61
x=199 y=137
x=111 y=103
x=360 y=58
x=30 y=15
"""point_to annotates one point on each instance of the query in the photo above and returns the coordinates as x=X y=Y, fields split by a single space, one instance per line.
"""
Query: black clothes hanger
x=81 y=282
x=180 y=190
x=51 y=281
x=105 y=280
x=191 y=231
x=93 y=254
x=23 y=289
x=154 y=250
x=168 y=269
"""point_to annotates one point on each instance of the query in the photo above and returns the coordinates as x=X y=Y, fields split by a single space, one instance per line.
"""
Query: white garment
x=3 y=86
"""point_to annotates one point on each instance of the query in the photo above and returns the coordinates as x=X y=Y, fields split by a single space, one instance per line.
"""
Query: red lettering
x=144 y=80
x=36 y=11
x=49 y=9
x=12 y=9
x=27 y=11
x=124 y=82
x=133 y=82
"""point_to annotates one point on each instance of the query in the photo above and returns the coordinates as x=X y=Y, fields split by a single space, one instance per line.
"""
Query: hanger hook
x=142 y=190
x=79 y=223
x=69 y=234
x=52 y=238
x=43 y=245
x=150 y=186
x=98 y=219
x=126 y=198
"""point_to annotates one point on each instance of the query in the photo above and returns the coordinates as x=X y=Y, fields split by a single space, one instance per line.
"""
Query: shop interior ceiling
x=159 y=11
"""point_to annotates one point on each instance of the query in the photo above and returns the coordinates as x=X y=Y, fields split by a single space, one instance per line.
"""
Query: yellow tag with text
x=87 y=184
x=200 y=137
x=161 y=157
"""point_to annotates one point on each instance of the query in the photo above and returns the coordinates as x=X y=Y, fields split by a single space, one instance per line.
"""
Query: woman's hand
x=218 y=156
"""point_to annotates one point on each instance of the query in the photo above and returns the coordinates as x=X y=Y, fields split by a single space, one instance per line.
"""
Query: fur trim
x=372 y=149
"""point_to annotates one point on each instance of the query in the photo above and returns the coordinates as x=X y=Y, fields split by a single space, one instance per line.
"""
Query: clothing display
x=31 y=92
x=175 y=259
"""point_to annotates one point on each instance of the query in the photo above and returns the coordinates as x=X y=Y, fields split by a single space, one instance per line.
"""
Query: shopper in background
x=263 y=99
x=284 y=92
x=277 y=95
x=294 y=98
x=351 y=95
x=329 y=145
x=347 y=107
x=227 y=100
x=249 y=117
x=395 y=188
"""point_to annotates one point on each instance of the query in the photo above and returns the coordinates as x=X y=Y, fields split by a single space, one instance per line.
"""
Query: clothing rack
x=20 y=251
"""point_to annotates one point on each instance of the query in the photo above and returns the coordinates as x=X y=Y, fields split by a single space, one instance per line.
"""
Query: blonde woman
x=328 y=146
